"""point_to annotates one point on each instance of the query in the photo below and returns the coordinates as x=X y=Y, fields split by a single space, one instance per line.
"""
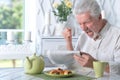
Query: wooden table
x=18 y=74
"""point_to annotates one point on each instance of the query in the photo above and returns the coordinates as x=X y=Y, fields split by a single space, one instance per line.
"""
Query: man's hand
x=67 y=34
x=85 y=60
x=68 y=37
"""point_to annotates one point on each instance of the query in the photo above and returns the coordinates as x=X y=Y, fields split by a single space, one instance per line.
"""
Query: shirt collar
x=104 y=30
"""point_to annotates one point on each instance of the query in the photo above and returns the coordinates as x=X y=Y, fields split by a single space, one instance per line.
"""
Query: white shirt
x=105 y=48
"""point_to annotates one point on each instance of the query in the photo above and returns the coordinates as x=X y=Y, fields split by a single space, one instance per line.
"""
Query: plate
x=56 y=75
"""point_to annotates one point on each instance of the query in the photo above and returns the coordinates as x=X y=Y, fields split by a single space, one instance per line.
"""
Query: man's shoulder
x=115 y=29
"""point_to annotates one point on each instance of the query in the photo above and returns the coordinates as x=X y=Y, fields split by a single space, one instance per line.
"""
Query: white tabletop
x=18 y=74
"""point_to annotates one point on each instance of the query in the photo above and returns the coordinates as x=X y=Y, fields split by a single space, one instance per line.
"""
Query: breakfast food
x=60 y=71
x=66 y=72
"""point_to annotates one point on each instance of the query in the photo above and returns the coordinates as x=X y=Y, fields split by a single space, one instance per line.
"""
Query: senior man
x=99 y=40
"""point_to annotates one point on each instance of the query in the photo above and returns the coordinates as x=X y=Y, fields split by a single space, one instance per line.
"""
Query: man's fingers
x=67 y=32
x=78 y=58
x=83 y=53
x=67 y=29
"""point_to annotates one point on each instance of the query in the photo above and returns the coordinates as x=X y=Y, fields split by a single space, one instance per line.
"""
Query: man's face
x=88 y=24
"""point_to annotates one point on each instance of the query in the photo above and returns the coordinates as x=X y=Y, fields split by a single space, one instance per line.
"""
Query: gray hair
x=91 y=6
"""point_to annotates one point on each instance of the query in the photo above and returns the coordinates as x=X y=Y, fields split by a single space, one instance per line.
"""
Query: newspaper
x=61 y=57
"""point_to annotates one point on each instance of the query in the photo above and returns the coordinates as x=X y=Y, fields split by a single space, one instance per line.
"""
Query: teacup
x=99 y=68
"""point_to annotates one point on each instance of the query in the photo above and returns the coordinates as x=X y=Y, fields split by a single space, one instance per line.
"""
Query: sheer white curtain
x=112 y=11
x=30 y=19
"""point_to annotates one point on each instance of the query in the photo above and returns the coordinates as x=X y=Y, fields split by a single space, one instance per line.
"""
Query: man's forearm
x=69 y=46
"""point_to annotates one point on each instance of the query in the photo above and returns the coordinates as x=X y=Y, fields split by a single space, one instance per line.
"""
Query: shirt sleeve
x=77 y=45
x=81 y=41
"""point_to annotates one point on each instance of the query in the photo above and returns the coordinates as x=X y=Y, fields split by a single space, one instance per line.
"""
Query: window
x=11 y=19
x=18 y=18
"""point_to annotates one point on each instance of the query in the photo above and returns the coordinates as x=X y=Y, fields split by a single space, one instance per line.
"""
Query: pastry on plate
x=60 y=71
x=66 y=72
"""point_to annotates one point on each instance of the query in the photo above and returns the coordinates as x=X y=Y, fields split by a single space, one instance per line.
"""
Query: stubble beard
x=95 y=35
